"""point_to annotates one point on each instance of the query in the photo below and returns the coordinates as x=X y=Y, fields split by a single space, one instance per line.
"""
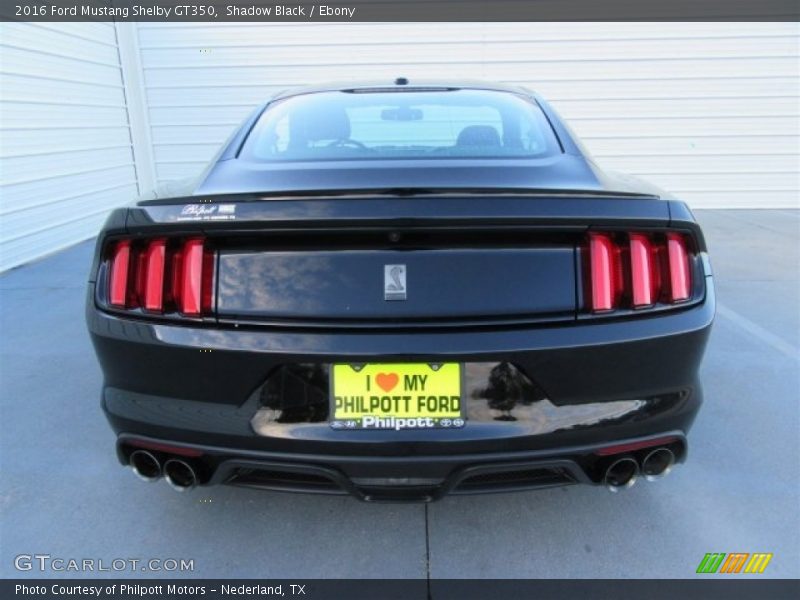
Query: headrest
x=478 y=135
x=330 y=123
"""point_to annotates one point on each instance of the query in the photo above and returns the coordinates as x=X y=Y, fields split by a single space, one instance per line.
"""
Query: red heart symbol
x=387 y=381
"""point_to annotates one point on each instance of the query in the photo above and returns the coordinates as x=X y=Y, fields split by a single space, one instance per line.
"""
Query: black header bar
x=168 y=11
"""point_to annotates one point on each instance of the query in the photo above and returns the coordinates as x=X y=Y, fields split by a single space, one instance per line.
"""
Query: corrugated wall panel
x=65 y=145
x=707 y=110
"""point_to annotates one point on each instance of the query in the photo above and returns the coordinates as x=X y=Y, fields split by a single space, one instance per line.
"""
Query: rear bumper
x=397 y=479
x=603 y=382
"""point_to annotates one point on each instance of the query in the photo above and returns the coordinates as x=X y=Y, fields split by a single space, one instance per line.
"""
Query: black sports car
x=399 y=291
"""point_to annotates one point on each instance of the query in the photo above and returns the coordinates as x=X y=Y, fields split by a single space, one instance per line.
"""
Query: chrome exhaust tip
x=180 y=475
x=621 y=474
x=145 y=465
x=658 y=464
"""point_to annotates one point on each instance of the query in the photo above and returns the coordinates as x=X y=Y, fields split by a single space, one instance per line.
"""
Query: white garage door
x=706 y=110
x=65 y=146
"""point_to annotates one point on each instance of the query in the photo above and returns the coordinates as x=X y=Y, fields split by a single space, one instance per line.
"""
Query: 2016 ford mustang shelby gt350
x=400 y=291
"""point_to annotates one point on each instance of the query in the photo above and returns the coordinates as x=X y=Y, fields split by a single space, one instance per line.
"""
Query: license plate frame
x=402 y=415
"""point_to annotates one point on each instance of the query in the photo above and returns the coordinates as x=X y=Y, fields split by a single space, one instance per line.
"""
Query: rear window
x=367 y=125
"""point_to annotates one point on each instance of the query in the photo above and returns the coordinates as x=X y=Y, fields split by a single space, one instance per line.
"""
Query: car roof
x=407 y=84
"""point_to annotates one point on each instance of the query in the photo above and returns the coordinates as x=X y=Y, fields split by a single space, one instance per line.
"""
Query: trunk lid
x=462 y=258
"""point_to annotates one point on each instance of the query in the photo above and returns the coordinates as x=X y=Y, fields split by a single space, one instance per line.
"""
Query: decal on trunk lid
x=208 y=212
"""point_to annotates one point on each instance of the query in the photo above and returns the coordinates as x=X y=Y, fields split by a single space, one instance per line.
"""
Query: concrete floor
x=62 y=492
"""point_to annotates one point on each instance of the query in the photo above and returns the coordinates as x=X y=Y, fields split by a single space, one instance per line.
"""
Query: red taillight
x=192 y=278
x=207 y=285
x=176 y=277
x=166 y=448
x=630 y=447
x=637 y=270
x=604 y=270
x=155 y=256
x=679 y=277
x=159 y=276
x=120 y=264
x=643 y=273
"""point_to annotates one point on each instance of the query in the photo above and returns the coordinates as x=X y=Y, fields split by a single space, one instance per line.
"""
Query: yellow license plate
x=397 y=396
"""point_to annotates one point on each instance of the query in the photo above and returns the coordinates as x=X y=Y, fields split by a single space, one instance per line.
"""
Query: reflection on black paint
x=507 y=388
x=497 y=395
x=297 y=393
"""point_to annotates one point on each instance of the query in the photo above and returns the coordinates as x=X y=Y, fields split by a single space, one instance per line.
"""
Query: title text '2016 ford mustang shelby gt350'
x=400 y=291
